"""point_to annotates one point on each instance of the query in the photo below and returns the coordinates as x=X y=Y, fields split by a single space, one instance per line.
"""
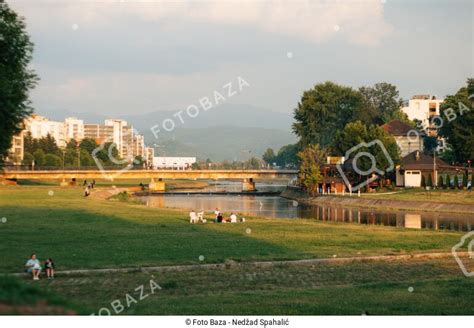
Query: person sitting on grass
x=33 y=266
x=220 y=218
x=193 y=218
x=233 y=218
x=49 y=267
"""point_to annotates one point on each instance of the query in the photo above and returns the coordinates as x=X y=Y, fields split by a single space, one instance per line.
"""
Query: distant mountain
x=223 y=115
x=219 y=142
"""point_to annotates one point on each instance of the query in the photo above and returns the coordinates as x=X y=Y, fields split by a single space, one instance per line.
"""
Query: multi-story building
x=128 y=142
x=74 y=128
x=424 y=108
x=149 y=155
x=40 y=126
x=98 y=132
x=120 y=133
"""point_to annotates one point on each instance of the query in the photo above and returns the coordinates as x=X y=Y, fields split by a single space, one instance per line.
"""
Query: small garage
x=412 y=178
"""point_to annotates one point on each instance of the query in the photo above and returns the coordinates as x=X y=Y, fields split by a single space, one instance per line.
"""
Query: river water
x=278 y=207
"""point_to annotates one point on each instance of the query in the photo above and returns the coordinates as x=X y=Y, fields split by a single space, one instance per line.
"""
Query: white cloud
x=360 y=21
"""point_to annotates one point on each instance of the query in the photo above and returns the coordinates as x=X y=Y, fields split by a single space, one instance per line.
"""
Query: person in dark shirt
x=49 y=266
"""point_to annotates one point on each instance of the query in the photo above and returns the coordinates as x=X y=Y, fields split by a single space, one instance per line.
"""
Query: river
x=278 y=207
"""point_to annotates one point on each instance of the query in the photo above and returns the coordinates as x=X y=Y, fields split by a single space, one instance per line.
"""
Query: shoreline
x=382 y=204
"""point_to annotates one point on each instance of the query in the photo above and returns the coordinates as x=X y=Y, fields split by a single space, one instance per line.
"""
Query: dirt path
x=260 y=264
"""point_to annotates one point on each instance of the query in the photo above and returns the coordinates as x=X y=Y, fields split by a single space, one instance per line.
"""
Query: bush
x=27 y=159
x=39 y=157
x=52 y=160
x=429 y=182
x=456 y=182
x=441 y=183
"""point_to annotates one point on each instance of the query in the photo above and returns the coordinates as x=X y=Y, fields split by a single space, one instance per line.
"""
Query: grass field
x=417 y=194
x=87 y=233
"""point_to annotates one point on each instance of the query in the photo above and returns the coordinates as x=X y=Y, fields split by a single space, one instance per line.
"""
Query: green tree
x=16 y=79
x=86 y=158
x=288 y=156
x=323 y=110
x=458 y=130
x=27 y=158
x=39 y=157
x=48 y=145
x=356 y=133
x=456 y=182
x=88 y=145
x=441 y=181
x=384 y=102
x=269 y=156
x=29 y=143
x=309 y=175
x=52 y=160
x=429 y=144
x=253 y=163
x=429 y=181
x=138 y=162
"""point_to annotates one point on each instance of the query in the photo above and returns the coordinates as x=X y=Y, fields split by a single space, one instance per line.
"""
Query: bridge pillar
x=157 y=185
x=248 y=185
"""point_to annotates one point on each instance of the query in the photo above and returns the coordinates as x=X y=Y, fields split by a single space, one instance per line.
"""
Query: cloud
x=357 y=21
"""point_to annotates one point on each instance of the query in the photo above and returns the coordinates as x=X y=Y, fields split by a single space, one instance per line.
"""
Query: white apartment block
x=129 y=143
x=40 y=126
x=423 y=108
x=74 y=128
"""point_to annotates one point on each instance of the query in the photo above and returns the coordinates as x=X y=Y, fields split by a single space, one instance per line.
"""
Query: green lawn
x=418 y=194
x=81 y=233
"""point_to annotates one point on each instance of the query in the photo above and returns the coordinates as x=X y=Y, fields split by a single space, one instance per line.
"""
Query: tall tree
x=350 y=141
x=16 y=79
x=311 y=159
x=383 y=100
x=269 y=156
x=457 y=112
x=323 y=110
x=288 y=156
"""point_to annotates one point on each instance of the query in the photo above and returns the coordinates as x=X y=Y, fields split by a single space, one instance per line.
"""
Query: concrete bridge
x=155 y=177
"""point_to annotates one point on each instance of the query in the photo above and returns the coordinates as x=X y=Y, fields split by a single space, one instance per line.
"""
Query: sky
x=130 y=57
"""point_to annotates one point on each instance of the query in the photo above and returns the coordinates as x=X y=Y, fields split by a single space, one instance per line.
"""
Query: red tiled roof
x=397 y=128
x=422 y=162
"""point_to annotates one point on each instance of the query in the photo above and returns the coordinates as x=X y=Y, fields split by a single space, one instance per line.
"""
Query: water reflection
x=277 y=207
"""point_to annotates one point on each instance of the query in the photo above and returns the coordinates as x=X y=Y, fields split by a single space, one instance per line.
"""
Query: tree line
x=331 y=119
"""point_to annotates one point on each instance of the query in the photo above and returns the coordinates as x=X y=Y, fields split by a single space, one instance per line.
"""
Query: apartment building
x=424 y=108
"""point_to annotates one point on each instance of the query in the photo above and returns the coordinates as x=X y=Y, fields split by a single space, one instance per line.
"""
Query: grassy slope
x=83 y=232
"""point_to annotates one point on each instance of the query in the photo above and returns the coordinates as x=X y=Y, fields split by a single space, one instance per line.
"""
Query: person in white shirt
x=33 y=266
x=233 y=218
x=193 y=218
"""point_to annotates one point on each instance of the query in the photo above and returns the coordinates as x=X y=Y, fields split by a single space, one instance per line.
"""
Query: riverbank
x=384 y=202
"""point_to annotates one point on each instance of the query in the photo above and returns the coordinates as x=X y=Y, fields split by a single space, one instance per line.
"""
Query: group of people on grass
x=33 y=266
x=218 y=217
